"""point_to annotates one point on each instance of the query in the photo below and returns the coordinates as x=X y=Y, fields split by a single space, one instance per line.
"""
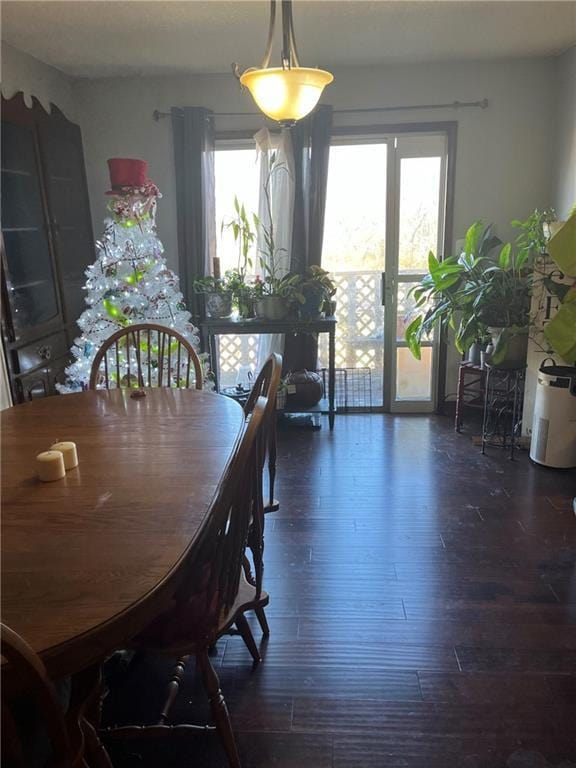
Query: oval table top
x=88 y=560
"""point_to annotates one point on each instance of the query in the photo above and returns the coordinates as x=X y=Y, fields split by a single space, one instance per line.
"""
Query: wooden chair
x=146 y=355
x=43 y=724
x=265 y=385
x=213 y=595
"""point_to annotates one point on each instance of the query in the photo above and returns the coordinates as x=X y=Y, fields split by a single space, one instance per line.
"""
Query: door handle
x=383 y=288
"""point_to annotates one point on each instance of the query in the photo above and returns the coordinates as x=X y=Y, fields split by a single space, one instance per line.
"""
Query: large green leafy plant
x=487 y=286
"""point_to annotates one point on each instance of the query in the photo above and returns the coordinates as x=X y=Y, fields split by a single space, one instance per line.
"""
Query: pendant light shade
x=290 y=92
x=286 y=95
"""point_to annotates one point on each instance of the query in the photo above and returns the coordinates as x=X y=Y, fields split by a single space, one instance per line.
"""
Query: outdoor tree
x=129 y=283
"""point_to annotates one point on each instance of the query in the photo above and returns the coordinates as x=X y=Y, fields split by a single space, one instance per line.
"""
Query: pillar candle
x=216 y=267
x=68 y=451
x=50 y=465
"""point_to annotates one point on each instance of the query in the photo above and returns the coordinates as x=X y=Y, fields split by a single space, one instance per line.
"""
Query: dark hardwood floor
x=423 y=613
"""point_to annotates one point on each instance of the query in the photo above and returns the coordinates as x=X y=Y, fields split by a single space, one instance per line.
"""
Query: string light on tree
x=129 y=283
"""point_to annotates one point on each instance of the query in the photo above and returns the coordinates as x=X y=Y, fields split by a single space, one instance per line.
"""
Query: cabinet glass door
x=30 y=272
x=70 y=223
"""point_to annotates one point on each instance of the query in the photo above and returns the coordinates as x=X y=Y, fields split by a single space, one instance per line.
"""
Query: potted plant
x=486 y=288
x=275 y=295
x=316 y=289
x=242 y=292
x=244 y=236
x=217 y=296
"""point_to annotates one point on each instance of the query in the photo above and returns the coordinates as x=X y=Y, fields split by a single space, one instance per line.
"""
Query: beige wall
x=506 y=153
x=21 y=72
x=565 y=192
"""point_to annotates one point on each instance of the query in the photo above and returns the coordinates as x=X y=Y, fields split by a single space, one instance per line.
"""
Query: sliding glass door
x=385 y=211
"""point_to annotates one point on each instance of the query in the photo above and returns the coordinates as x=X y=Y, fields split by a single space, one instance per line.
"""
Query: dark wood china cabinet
x=47 y=244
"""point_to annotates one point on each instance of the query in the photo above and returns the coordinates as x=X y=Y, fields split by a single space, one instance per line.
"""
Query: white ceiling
x=95 y=38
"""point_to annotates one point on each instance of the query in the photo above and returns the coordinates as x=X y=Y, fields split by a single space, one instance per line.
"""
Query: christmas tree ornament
x=129 y=283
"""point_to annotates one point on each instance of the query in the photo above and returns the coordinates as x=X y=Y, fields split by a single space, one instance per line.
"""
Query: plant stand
x=471 y=390
x=503 y=400
x=212 y=327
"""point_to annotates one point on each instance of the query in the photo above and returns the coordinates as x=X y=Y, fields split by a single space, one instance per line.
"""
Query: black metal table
x=212 y=327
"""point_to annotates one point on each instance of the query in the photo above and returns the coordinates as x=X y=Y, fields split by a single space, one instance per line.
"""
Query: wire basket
x=353 y=388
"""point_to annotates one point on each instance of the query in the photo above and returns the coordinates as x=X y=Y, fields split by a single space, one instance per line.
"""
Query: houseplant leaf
x=412 y=337
x=504 y=257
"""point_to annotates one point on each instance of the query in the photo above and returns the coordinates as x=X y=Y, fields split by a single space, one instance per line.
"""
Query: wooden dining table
x=89 y=560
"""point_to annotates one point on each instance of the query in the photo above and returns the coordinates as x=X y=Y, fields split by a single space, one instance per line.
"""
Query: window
x=237 y=174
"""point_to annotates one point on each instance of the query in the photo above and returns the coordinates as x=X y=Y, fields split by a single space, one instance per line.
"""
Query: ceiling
x=91 y=38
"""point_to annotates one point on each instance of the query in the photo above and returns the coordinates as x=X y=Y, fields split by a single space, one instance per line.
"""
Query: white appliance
x=553 y=441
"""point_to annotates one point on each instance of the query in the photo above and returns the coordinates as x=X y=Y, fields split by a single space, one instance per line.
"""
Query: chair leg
x=218 y=707
x=246 y=633
x=272 y=504
x=261 y=616
x=95 y=750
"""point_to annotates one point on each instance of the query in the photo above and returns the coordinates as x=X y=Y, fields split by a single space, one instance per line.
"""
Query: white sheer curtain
x=275 y=151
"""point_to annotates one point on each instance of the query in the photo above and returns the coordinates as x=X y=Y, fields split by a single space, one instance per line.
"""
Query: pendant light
x=289 y=92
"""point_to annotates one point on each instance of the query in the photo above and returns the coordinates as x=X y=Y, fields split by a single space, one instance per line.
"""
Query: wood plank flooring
x=423 y=613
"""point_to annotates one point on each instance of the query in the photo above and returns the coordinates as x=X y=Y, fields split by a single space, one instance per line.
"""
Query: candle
x=68 y=451
x=216 y=267
x=50 y=466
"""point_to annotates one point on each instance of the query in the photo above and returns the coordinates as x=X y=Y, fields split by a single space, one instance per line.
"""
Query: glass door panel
x=416 y=187
x=353 y=251
x=413 y=377
x=418 y=220
x=385 y=211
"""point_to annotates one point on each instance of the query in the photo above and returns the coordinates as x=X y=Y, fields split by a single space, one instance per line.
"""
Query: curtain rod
x=482 y=104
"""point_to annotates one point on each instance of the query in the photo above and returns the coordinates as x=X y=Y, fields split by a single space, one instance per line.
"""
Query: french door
x=386 y=209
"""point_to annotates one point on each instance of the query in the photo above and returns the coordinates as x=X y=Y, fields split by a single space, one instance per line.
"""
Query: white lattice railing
x=359 y=332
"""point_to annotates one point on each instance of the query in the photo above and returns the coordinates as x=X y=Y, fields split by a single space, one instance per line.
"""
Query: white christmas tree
x=128 y=284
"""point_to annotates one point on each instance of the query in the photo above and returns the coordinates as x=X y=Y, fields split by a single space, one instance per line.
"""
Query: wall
x=565 y=193
x=504 y=152
x=21 y=72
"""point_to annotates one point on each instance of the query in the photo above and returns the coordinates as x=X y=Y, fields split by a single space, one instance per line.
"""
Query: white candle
x=50 y=465
x=68 y=451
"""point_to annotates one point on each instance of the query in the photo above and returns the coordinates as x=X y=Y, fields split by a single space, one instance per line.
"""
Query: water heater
x=554 y=426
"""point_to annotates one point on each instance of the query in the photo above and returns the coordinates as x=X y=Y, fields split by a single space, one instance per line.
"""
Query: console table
x=212 y=327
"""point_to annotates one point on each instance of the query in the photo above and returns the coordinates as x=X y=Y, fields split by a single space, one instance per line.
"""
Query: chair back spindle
x=266 y=385
x=146 y=355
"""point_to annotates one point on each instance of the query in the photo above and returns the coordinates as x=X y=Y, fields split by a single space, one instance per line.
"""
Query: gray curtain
x=193 y=130
x=311 y=143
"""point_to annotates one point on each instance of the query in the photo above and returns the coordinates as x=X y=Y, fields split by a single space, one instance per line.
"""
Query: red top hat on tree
x=126 y=172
